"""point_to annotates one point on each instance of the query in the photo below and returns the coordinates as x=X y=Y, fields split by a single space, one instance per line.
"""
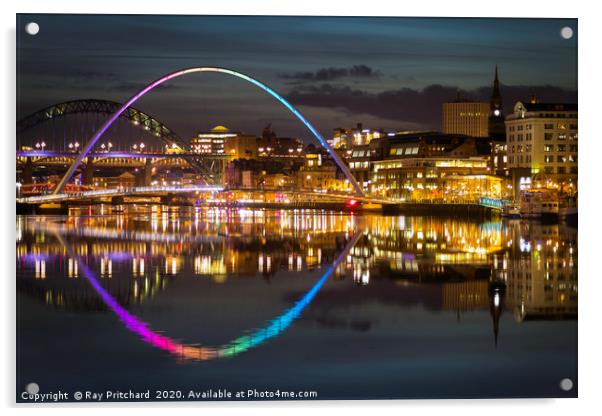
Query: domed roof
x=220 y=129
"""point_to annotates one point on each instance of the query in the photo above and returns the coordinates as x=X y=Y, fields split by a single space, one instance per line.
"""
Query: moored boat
x=511 y=211
x=539 y=204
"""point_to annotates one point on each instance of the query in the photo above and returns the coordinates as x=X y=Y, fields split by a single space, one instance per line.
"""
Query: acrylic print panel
x=306 y=208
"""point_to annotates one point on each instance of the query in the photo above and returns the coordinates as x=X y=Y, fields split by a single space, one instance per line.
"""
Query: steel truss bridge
x=117 y=159
x=132 y=115
x=205 y=165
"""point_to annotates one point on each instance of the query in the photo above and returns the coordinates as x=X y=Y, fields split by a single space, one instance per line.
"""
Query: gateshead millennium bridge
x=209 y=168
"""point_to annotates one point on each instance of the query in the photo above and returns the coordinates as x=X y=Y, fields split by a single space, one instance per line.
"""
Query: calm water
x=346 y=306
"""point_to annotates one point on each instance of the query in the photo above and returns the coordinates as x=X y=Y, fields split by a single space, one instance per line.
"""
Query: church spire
x=496 y=97
x=497 y=130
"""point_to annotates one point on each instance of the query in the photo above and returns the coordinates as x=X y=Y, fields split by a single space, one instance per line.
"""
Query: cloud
x=332 y=73
x=419 y=106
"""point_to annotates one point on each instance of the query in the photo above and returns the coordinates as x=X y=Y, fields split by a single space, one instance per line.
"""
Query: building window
x=548 y=159
x=548 y=148
x=561 y=147
x=548 y=136
x=548 y=126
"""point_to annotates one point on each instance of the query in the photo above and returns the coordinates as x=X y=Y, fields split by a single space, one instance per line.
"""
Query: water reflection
x=93 y=263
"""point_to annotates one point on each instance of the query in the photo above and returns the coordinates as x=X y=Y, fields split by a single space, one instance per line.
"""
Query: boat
x=511 y=211
x=539 y=204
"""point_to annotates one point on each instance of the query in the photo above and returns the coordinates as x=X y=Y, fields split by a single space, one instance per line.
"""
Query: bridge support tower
x=27 y=174
x=88 y=172
x=145 y=175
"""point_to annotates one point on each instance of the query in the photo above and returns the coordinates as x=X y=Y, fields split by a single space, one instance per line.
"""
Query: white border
x=589 y=102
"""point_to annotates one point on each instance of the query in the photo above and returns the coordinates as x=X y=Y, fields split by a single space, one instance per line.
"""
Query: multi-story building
x=475 y=118
x=434 y=166
x=359 y=165
x=211 y=142
x=542 y=145
x=320 y=173
x=256 y=174
x=499 y=158
x=271 y=145
x=345 y=138
x=470 y=118
x=242 y=146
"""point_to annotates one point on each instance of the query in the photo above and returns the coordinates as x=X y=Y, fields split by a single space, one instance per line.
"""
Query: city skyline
x=362 y=72
x=318 y=207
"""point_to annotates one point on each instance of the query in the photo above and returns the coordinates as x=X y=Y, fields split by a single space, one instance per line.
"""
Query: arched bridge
x=201 y=69
x=131 y=115
x=106 y=107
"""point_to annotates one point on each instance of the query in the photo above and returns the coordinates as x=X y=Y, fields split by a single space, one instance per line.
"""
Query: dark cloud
x=420 y=106
x=330 y=74
x=92 y=76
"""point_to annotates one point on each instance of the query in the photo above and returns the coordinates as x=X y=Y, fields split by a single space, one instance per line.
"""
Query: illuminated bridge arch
x=186 y=71
x=93 y=106
x=243 y=343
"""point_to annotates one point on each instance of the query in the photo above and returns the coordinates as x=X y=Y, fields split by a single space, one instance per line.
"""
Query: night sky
x=390 y=73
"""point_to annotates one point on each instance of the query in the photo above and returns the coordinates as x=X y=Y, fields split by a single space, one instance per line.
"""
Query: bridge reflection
x=135 y=257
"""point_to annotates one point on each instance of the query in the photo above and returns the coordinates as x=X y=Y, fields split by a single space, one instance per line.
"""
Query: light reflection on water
x=525 y=270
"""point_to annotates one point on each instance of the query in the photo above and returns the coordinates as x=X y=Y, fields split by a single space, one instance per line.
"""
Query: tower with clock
x=497 y=130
